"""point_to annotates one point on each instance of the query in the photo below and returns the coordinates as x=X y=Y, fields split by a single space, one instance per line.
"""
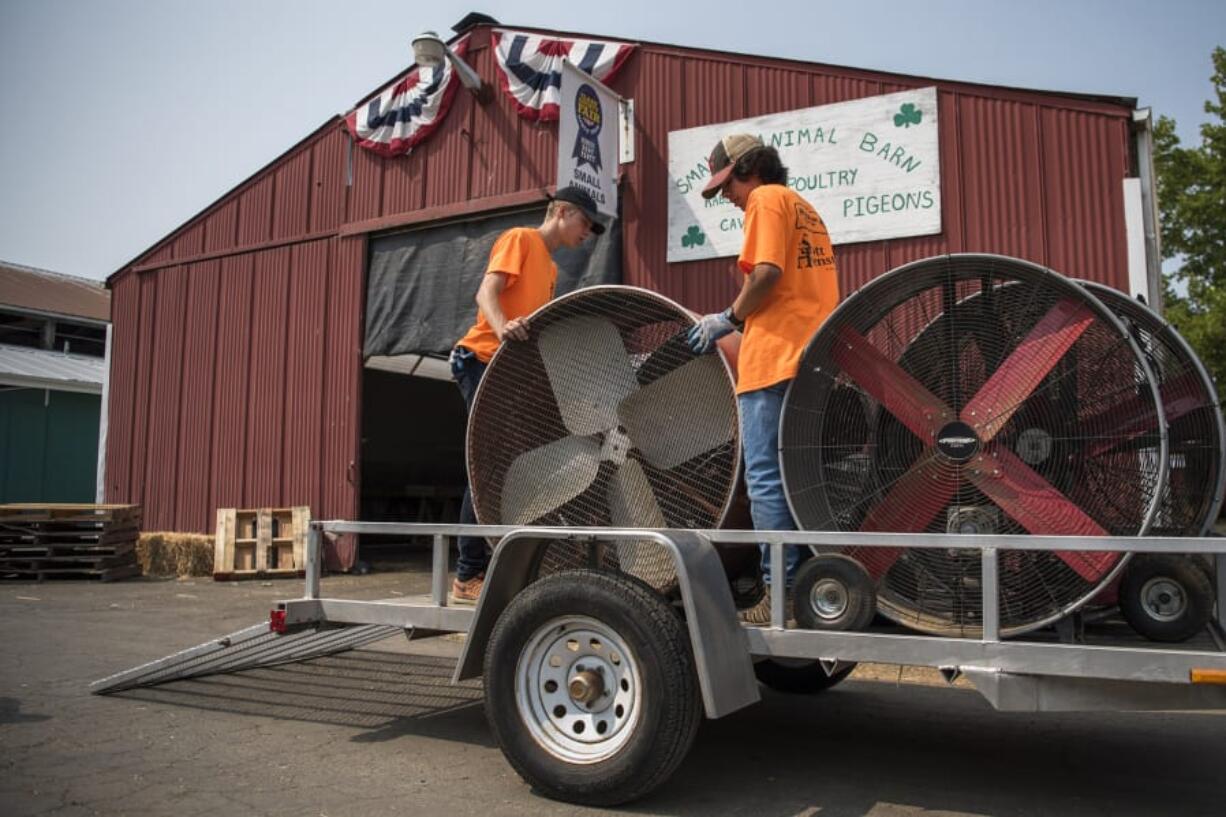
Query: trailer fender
x=721 y=649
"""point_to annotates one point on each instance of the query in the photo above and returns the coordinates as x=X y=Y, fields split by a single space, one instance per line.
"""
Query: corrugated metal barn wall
x=1033 y=175
x=238 y=386
x=237 y=339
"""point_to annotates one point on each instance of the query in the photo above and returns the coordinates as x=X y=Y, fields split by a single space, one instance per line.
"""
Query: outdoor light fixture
x=430 y=50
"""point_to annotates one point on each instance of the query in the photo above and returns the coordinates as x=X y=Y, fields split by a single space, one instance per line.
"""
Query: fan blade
x=1134 y=417
x=685 y=413
x=632 y=504
x=889 y=384
x=588 y=371
x=914 y=499
x=544 y=479
x=1038 y=353
x=1039 y=508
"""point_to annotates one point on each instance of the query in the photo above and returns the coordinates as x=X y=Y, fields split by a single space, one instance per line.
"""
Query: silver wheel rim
x=577 y=654
x=828 y=599
x=1164 y=598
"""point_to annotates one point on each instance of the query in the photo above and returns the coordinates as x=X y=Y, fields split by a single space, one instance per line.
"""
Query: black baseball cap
x=583 y=200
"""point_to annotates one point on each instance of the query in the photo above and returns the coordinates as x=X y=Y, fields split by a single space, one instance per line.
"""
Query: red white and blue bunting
x=530 y=67
x=405 y=113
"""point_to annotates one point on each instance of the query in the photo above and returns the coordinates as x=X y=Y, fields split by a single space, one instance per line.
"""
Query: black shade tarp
x=421 y=284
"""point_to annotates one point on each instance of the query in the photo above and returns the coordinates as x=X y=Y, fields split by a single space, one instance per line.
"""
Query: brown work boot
x=467 y=592
x=760 y=614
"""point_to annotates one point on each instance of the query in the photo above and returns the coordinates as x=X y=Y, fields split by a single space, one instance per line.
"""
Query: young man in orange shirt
x=519 y=279
x=790 y=288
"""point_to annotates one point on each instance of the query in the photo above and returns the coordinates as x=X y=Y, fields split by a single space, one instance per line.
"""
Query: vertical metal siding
x=1084 y=198
x=443 y=159
x=290 y=212
x=266 y=392
x=221 y=229
x=255 y=211
x=656 y=82
x=191 y=242
x=192 y=511
x=230 y=394
x=366 y=192
x=342 y=387
x=166 y=378
x=1000 y=183
x=403 y=183
x=144 y=368
x=121 y=421
x=495 y=128
x=328 y=191
x=304 y=370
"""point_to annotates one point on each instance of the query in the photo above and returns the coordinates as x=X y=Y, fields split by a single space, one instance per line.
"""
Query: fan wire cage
x=604 y=417
x=1192 y=497
x=974 y=394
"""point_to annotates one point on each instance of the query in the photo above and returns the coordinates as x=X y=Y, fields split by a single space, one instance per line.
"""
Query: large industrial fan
x=975 y=394
x=604 y=417
x=1169 y=596
x=1196 y=438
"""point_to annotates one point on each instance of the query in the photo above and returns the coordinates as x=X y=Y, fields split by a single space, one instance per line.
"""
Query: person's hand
x=515 y=329
x=709 y=329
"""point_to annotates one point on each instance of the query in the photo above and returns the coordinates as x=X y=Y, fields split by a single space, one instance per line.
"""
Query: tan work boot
x=760 y=614
x=467 y=592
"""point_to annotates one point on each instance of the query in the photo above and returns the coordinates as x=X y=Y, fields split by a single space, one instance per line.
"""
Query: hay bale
x=175 y=554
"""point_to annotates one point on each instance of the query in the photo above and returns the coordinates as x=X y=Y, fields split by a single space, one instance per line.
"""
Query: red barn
x=243 y=369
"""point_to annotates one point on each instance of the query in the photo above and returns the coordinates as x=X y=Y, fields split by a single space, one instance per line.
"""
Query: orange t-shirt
x=782 y=229
x=521 y=255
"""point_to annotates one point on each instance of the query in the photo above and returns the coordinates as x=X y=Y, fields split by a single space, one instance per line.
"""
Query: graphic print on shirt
x=811 y=254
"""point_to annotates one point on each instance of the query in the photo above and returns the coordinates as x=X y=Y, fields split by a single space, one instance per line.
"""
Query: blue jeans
x=467 y=371
x=768 y=505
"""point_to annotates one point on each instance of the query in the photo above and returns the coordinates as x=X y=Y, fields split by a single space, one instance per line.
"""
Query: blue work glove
x=709 y=329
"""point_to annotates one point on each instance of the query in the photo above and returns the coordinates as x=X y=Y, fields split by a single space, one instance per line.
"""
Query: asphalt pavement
x=380 y=730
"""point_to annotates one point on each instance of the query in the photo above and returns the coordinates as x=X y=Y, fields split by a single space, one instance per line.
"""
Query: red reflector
x=276 y=621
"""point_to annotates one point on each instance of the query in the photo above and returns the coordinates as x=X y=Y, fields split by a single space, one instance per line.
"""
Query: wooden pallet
x=51 y=541
x=260 y=542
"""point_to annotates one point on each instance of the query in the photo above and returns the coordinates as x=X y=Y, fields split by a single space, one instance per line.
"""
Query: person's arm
x=492 y=286
x=757 y=286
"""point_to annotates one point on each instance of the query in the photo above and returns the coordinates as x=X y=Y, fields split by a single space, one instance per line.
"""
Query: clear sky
x=127 y=117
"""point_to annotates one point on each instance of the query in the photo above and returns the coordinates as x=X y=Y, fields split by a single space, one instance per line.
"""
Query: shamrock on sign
x=907 y=116
x=693 y=237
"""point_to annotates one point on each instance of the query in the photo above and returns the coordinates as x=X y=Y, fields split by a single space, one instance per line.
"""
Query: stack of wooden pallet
x=260 y=542
x=58 y=541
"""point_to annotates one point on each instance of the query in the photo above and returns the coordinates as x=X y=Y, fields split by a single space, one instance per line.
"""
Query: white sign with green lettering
x=871 y=168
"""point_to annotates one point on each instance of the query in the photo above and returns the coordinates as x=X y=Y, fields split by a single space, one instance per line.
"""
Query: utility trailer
x=595 y=683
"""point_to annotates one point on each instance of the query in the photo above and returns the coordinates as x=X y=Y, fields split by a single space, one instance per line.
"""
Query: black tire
x=542 y=730
x=798 y=678
x=1165 y=596
x=833 y=592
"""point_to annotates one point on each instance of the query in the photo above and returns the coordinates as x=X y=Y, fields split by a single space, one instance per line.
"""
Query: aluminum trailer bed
x=1041 y=671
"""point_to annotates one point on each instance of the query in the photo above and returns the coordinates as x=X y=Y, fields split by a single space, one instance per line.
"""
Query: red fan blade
x=1135 y=416
x=902 y=395
x=1038 y=507
x=914 y=499
x=1025 y=368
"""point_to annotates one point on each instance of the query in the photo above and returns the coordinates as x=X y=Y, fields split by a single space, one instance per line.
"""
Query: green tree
x=1192 y=206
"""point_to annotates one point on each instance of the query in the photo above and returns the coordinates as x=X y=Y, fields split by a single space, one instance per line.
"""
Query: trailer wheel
x=590 y=688
x=1165 y=596
x=798 y=677
x=833 y=592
